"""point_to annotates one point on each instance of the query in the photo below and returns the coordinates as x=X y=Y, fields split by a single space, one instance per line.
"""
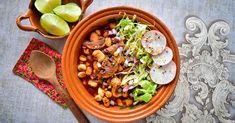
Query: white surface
x=21 y=102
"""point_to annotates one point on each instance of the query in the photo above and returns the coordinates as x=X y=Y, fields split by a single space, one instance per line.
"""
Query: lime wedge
x=72 y=3
x=69 y=12
x=55 y=25
x=46 y=6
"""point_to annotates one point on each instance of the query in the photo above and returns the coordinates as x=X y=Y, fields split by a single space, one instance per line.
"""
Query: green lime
x=46 y=6
x=69 y=12
x=55 y=25
x=72 y=3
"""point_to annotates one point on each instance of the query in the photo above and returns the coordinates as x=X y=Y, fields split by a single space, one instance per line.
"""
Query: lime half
x=69 y=12
x=46 y=6
x=53 y=24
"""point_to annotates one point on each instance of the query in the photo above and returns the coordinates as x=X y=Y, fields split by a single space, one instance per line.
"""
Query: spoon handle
x=69 y=101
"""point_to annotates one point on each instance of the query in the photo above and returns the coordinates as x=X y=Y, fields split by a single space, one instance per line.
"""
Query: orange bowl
x=75 y=87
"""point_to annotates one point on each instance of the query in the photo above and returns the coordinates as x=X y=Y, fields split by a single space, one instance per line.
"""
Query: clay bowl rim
x=69 y=63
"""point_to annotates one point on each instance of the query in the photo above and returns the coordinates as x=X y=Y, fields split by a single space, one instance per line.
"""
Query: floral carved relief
x=202 y=92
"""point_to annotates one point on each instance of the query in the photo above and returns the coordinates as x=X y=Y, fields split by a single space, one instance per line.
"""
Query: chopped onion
x=126 y=63
x=136 y=61
x=110 y=33
x=105 y=84
x=128 y=52
x=119 y=50
x=125 y=89
x=112 y=102
x=83 y=46
x=131 y=87
x=98 y=64
x=135 y=103
x=114 y=31
x=118 y=34
x=117 y=38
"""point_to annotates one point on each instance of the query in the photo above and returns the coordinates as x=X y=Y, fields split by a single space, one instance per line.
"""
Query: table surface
x=21 y=102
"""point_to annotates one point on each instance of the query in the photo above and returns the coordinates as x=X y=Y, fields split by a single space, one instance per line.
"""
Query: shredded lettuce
x=145 y=97
x=132 y=33
x=140 y=53
x=145 y=88
x=148 y=88
x=127 y=78
x=140 y=69
x=147 y=59
x=126 y=28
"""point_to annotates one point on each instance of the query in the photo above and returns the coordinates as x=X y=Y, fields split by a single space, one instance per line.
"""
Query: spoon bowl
x=45 y=68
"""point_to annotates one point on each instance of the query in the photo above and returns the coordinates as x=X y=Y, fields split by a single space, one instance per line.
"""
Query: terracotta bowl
x=34 y=17
x=75 y=87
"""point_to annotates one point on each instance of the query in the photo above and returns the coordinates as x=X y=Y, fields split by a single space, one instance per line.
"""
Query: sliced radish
x=164 y=58
x=154 y=42
x=164 y=74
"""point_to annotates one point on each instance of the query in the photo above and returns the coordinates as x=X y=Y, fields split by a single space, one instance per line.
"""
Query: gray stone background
x=21 y=102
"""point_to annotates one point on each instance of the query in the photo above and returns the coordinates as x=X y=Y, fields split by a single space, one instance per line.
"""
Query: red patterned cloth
x=23 y=70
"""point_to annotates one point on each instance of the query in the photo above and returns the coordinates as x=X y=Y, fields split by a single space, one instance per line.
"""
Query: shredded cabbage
x=145 y=93
x=147 y=59
x=132 y=33
x=146 y=97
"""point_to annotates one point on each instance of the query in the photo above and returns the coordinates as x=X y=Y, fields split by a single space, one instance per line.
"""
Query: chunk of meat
x=108 y=68
x=117 y=40
x=95 y=44
x=115 y=91
x=94 y=36
x=111 y=49
x=96 y=41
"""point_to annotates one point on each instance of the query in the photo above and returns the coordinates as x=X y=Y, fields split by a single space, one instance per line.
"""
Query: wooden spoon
x=45 y=68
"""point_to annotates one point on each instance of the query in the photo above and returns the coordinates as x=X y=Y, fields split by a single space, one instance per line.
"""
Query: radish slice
x=154 y=42
x=164 y=74
x=164 y=58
